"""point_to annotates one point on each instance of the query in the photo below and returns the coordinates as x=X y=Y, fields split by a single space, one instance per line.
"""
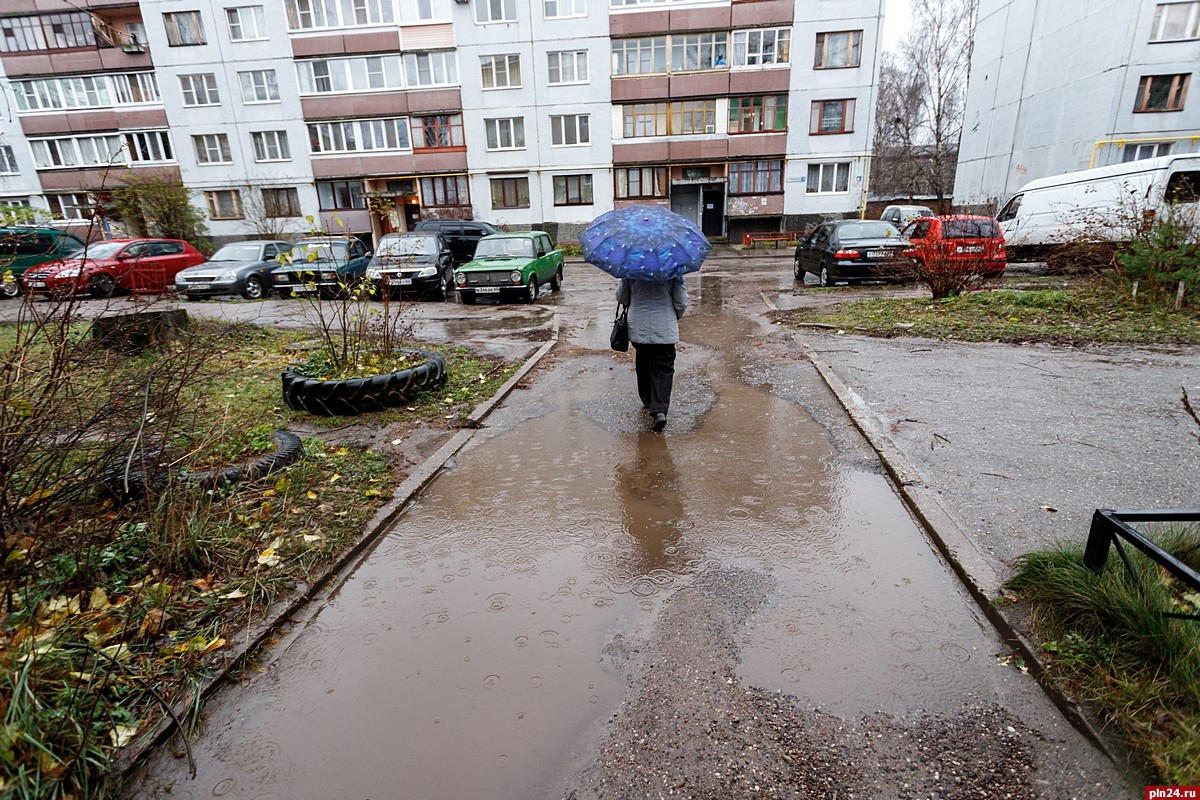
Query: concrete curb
x=976 y=574
x=280 y=614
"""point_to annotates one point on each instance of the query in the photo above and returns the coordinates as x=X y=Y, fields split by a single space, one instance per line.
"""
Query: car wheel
x=102 y=285
x=466 y=298
x=9 y=288
x=798 y=270
x=824 y=277
x=254 y=289
x=556 y=281
x=531 y=289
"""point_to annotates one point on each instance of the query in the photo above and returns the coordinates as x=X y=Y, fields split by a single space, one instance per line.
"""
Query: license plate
x=406 y=281
x=879 y=254
x=975 y=248
x=37 y=284
x=204 y=285
x=488 y=290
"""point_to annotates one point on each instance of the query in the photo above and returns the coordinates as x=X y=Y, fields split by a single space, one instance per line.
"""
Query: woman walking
x=654 y=312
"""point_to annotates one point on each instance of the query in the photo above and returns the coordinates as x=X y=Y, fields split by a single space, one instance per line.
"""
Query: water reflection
x=651 y=510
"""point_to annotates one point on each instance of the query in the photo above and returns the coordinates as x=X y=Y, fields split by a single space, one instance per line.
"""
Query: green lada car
x=512 y=265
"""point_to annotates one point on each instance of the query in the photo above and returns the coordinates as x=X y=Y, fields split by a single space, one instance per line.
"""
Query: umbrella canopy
x=646 y=243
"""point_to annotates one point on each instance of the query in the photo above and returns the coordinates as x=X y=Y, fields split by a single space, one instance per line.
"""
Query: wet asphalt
x=741 y=607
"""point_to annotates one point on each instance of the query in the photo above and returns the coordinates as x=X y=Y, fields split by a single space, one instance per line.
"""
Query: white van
x=1101 y=204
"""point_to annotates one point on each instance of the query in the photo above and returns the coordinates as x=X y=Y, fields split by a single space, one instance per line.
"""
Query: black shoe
x=660 y=422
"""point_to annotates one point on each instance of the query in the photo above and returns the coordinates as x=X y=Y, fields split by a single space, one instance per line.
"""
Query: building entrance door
x=712 y=210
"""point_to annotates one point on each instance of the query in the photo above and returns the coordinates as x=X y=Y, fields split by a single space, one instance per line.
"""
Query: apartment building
x=367 y=115
x=1064 y=85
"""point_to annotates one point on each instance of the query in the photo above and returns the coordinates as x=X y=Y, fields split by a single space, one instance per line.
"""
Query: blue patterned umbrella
x=647 y=243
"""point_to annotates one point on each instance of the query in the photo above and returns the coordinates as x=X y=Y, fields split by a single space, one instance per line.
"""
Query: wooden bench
x=775 y=237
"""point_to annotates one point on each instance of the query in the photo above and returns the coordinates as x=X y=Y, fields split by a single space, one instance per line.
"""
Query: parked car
x=105 y=268
x=240 y=268
x=972 y=245
x=851 y=250
x=512 y=265
x=462 y=234
x=902 y=215
x=417 y=264
x=325 y=265
x=25 y=247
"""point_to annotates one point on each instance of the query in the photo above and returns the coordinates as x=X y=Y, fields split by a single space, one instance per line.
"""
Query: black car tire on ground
x=531 y=289
x=102 y=286
x=798 y=271
x=9 y=288
x=556 y=280
x=823 y=279
x=254 y=288
x=361 y=395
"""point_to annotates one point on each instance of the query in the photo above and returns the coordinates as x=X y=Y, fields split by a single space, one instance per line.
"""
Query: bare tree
x=922 y=94
x=896 y=171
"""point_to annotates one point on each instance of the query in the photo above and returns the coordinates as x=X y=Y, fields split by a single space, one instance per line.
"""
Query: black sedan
x=852 y=250
x=412 y=264
x=241 y=268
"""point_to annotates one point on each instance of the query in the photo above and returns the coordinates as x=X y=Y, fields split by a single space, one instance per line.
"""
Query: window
x=501 y=72
x=46 y=32
x=441 y=130
x=758 y=114
x=572 y=190
x=1161 y=93
x=445 y=190
x=639 y=56
x=569 y=129
x=634 y=182
x=212 y=148
x=359 y=135
x=200 y=89
x=259 y=86
x=759 y=47
x=8 y=160
x=436 y=68
x=364 y=74
x=756 y=177
x=495 y=10
x=668 y=119
x=305 y=14
x=1183 y=187
x=271 y=146
x=568 y=66
x=841 y=49
x=831 y=116
x=148 y=147
x=828 y=178
x=224 y=204
x=246 y=23
x=135 y=87
x=1175 y=22
x=340 y=195
x=505 y=134
x=281 y=203
x=183 y=28
x=510 y=192
x=564 y=8
x=82 y=151
x=697 y=51
x=1137 y=152
x=416 y=10
x=70 y=206
x=58 y=93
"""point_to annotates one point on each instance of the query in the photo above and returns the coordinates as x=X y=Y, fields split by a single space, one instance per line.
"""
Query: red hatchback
x=104 y=268
x=974 y=245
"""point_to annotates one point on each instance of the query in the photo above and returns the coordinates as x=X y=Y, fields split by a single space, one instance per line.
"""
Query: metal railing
x=1113 y=527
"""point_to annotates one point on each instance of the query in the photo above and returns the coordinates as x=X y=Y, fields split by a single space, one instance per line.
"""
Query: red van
x=975 y=244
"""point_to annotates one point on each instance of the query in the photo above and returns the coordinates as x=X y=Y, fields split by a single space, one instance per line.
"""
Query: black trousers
x=655 y=366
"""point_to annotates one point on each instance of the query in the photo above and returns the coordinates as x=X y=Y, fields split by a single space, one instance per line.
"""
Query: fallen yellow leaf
x=121 y=735
x=213 y=645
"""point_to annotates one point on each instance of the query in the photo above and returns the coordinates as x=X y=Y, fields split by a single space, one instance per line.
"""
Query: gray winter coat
x=654 y=309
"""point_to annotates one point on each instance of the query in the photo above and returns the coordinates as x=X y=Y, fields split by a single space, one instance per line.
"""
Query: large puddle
x=463 y=658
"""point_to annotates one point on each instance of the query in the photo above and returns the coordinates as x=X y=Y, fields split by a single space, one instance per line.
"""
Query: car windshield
x=408 y=246
x=99 y=250
x=970 y=229
x=868 y=229
x=238 y=252
x=502 y=248
x=321 y=251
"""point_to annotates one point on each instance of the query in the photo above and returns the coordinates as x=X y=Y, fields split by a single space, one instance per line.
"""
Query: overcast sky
x=895 y=23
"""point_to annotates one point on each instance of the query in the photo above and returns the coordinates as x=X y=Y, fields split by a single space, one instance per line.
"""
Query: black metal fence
x=1114 y=527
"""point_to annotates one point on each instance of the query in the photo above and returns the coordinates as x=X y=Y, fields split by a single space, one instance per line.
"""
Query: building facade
x=1064 y=85
x=365 y=116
